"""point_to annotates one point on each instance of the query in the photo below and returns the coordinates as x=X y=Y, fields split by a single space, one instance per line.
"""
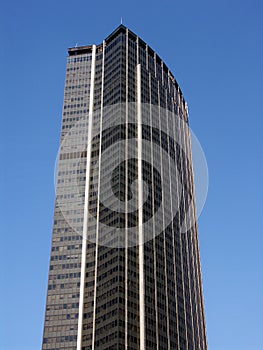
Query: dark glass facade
x=111 y=296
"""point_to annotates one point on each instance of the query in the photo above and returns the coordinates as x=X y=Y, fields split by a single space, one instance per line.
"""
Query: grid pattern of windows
x=173 y=304
x=62 y=305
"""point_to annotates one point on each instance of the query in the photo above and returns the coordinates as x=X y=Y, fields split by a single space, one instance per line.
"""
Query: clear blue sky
x=214 y=49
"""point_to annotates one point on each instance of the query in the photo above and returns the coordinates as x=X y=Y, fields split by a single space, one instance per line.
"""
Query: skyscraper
x=124 y=268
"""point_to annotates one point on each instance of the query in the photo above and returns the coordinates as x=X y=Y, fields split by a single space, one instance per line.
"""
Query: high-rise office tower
x=124 y=268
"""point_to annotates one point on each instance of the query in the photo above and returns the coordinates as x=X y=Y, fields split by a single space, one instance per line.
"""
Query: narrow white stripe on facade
x=154 y=255
x=98 y=205
x=126 y=194
x=140 y=207
x=86 y=203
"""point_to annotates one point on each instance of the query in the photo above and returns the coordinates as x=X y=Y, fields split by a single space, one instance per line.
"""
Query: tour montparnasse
x=124 y=268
